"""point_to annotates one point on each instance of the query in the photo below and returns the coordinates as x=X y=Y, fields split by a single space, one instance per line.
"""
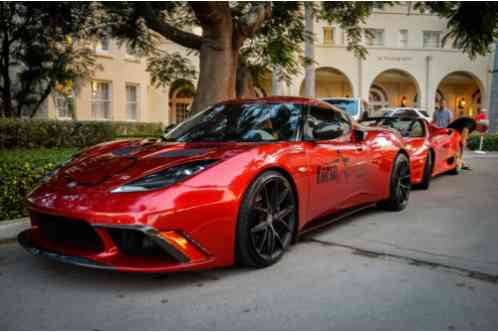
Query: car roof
x=280 y=100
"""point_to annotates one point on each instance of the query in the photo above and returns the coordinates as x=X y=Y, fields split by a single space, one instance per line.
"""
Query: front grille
x=133 y=242
x=67 y=232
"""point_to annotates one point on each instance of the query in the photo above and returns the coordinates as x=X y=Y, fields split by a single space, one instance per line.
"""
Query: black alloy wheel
x=426 y=178
x=400 y=185
x=267 y=220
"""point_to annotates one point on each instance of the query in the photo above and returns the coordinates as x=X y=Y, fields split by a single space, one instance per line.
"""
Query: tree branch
x=252 y=21
x=154 y=22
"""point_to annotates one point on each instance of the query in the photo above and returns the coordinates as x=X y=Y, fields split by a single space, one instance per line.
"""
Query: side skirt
x=327 y=221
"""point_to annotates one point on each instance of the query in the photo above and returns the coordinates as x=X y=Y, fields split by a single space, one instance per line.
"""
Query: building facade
x=406 y=65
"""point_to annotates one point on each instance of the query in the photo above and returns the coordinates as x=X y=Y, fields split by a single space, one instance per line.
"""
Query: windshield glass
x=246 y=122
x=349 y=106
x=406 y=127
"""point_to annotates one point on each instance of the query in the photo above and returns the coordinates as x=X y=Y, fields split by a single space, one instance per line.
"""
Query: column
x=493 y=100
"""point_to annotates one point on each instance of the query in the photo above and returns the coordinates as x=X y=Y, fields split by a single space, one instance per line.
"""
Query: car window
x=318 y=116
x=251 y=121
x=349 y=106
x=417 y=129
x=424 y=113
x=406 y=127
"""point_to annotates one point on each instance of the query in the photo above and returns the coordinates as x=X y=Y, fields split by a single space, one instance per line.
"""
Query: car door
x=333 y=164
x=440 y=141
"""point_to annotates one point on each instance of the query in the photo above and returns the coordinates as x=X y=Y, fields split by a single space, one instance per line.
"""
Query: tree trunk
x=217 y=74
x=244 y=86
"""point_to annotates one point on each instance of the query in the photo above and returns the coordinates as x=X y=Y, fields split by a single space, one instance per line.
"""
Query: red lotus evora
x=236 y=182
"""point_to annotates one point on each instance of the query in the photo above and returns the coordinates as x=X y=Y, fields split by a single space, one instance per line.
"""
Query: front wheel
x=399 y=186
x=266 y=222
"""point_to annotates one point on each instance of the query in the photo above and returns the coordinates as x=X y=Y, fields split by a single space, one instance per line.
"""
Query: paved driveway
x=432 y=266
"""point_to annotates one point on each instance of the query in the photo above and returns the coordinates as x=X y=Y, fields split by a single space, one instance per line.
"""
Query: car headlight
x=164 y=178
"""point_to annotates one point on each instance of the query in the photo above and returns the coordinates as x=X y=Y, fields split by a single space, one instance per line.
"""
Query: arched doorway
x=330 y=82
x=393 y=88
x=462 y=91
x=180 y=99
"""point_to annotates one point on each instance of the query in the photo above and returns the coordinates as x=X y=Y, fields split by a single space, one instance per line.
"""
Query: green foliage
x=38 y=52
x=20 y=171
x=276 y=45
x=490 y=142
x=17 y=133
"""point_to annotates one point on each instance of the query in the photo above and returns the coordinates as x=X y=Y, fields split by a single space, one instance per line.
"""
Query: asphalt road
x=432 y=266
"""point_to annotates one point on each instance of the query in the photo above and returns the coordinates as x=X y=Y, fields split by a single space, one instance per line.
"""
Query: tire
x=399 y=189
x=458 y=164
x=267 y=221
x=426 y=179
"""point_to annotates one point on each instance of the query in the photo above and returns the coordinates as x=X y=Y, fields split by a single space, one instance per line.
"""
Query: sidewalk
x=10 y=228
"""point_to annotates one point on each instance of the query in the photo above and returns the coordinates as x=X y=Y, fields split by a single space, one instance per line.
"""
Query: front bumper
x=177 y=252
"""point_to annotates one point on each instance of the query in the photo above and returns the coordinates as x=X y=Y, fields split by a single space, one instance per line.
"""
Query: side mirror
x=359 y=135
x=327 y=131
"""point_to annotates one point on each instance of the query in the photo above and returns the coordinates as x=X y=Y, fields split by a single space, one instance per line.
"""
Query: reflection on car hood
x=119 y=162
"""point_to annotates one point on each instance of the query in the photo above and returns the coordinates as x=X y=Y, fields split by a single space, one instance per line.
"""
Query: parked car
x=355 y=107
x=407 y=112
x=432 y=150
x=237 y=182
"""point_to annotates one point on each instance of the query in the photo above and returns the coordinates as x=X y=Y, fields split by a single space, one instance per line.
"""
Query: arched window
x=181 y=96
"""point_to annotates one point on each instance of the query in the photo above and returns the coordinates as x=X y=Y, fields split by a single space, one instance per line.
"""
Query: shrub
x=19 y=133
x=490 y=142
x=20 y=171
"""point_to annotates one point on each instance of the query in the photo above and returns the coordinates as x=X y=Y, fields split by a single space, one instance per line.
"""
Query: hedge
x=19 y=133
x=490 y=142
x=20 y=171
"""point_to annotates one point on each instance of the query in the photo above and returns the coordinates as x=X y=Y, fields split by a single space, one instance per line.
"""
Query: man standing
x=442 y=116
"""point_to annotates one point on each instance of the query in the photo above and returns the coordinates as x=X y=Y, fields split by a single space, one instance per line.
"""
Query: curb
x=10 y=228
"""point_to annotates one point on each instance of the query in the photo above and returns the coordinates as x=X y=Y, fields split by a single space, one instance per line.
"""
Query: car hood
x=120 y=162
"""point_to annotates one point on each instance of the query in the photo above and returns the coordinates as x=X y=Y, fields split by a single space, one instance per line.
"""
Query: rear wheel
x=399 y=185
x=426 y=179
x=266 y=221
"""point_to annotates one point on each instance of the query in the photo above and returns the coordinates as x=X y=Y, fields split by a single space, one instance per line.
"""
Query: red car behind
x=432 y=150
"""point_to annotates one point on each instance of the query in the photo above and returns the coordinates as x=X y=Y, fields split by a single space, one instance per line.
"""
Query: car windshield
x=349 y=106
x=406 y=127
x=245 y=122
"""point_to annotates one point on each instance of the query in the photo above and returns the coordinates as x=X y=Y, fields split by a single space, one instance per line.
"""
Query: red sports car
x=432 y=150
x=236 y=182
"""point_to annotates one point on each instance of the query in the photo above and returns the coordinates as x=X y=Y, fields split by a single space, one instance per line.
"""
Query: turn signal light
x=182 y=244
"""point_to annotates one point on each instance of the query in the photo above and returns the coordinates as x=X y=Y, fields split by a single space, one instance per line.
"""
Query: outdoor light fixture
x=403 y=101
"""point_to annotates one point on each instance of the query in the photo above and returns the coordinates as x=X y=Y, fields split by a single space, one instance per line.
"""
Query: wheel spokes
x=282 y=196
x=273 y=218
x=259 y=227
x=266 y=198
x=280 y=215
